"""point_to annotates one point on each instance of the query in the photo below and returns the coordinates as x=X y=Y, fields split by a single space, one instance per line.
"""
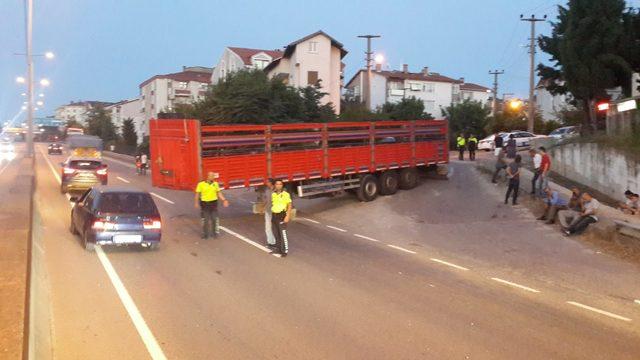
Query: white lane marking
x=309 y=220
x=336 y=228
x=515 y=285
x=366 y=238
x=138 y=321
x=161 y=198
x=53 y=170
x=123 y=179
x=606 y=313
x=145 y=333
x=449 y=264
x=401 y=249
x=247 y=240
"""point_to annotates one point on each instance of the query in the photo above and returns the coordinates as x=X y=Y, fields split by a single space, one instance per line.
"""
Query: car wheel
x=63 y=189
x=72 y=227
x=408 y=178
x=388 y=182
x=368 y=189
x=89 y=246
x=154 y=246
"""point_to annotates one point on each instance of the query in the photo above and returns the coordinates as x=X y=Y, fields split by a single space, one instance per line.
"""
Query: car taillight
x=152 y=224
x=102 y=171
x=102 y=225
x=67 y=170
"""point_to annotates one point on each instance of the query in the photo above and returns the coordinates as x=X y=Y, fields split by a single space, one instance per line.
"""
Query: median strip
x=401 y=249
x=449 y=264
x=602 y=312
x=515 y=285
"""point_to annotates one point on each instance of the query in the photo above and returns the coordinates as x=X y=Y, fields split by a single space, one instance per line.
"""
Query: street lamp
x=20 y=80
x=40 y=95
x=45 y=82
x=515 y=104
x=49 y=55
x=39 y=103
x=379 y=59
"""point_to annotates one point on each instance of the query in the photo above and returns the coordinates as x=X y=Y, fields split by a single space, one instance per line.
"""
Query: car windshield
x=557 y=132
x=85 y=164
x=126 y=203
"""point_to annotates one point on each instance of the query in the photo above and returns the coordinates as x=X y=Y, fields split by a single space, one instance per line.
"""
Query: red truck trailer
x=368 y=158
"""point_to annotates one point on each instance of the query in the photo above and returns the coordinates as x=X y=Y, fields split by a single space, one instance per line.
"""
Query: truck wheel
x=89 y=246
x=72 y=227
x=408 y=178
x=368 y=189
x=389 y=182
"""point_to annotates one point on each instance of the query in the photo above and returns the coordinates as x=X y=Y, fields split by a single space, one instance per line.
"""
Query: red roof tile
x=473 y=87
x=183 y=76
x=246 y=54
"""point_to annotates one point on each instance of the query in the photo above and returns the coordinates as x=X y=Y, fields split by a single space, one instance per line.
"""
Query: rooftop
x=183 y=76
x=246 y=54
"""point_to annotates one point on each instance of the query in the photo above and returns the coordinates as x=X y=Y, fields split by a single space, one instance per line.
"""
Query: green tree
x=409 y=108
x=128 y=132
x=99 y=124
x=73 y=123
x=468 y=117
x=588 y=51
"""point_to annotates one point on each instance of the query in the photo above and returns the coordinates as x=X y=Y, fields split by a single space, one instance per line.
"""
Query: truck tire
x=88 y=245
x=368 y=189
x=408 y=178
x=389 y=182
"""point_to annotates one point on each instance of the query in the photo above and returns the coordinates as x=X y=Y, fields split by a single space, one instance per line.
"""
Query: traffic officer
x=461 y=142
x=281 y=214
x=472 y=145
x=207 y=194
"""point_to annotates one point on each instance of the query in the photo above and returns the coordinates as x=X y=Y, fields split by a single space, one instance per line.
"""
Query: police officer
x=281 y=214
x=461 y=142
x=472 y=145
x=207 y=194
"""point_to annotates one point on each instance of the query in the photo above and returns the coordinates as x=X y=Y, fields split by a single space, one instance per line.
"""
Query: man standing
x=268 y=229
x=281 y=209
x=460 y=143
x=144 y=163
x=587 y=216
x=553 y=203
x=545 y=167
x=511 y=146
x=472 y=146
x=498 y=143
x=513 y=173
x=568 y=216
x=207 y=194
x=537 y=161
x=501 y=164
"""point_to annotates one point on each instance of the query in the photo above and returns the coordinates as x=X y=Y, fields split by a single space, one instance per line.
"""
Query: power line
x=494 y=103
x=532 y=55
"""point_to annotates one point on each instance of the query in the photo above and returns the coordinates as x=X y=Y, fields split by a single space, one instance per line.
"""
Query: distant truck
x=314 y=159
x=78 y=144
x=84 y=167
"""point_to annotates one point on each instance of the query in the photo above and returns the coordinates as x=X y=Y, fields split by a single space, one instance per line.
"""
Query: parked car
x=55 y=148
x=523 y=138
x=116 y=216
x=488 y=143
x=80 y=174
x=565 y=132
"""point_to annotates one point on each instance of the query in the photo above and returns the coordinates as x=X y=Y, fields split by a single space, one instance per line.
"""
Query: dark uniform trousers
x=280 y=231
x=209 y=215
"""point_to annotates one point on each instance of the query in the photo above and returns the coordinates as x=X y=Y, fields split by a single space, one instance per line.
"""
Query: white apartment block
x=129 y=109
x=161 y=93
x=78 y=110
x=436 y=91
x=313 y=59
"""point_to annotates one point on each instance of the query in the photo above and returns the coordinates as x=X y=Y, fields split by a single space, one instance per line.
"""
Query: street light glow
x=45 y=82
x=49 y=55
x=20 y=80
x=41 y=95
x=24 y=107
x=515 y=104
x=379 y=59
x=23 y=94
x=39 y=103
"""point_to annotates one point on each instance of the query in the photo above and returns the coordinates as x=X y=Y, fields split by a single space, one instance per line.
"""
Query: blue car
x=116 y=216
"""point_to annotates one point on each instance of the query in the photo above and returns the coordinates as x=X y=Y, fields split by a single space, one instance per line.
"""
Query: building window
x=182 y=85
x=313 y=46
x=169 y=84
x=415 y=86
x=429 y=87
x=152 y=92
x=312 y=78
x=204 y=86
x=261 y=63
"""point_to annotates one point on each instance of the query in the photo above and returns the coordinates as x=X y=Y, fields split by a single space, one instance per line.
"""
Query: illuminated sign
x=626 y=105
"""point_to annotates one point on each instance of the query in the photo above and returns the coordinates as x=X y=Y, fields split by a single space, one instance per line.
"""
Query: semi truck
x=314 y=159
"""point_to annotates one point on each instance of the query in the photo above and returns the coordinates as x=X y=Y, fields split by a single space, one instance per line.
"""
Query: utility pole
x=532 y=53
x=29 y=53
x=494 y=103
x=369 y=53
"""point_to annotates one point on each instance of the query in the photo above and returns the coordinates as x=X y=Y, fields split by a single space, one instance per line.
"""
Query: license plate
x=526 y=143
x=127 y=239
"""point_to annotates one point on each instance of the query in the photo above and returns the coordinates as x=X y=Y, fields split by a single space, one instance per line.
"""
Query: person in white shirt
x=587 y=216
x=537 y=171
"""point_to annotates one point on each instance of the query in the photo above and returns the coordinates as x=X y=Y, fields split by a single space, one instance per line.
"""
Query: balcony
x=396 y=92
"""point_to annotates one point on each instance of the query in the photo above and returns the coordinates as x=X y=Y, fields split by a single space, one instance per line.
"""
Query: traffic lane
x=465 y=219
x=88 y=319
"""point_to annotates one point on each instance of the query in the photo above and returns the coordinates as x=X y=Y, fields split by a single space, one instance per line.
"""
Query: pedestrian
x=460 y=143
x=501 y=164
x=553 y=203
x=144 y=163
x=545 y=168
x=498 y=143
x=511 y=147
x=207 y=194
x=587 y=216
x=138 y=163
x=631 y=206
x=472 y=145
x=268 y=229
x=513 y=173
x=281 y=208
x=537 y=161
x=574 y=208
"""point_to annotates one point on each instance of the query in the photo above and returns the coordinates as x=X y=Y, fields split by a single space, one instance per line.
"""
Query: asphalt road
x=443 y=271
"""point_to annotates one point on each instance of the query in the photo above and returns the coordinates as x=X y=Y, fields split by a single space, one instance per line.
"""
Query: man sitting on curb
x=553 y=203
x=587 y=216
x=568 y=216
x=632 y=205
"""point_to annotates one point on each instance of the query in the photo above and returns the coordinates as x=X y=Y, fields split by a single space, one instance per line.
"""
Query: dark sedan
x=116 y=216
x=54 y=148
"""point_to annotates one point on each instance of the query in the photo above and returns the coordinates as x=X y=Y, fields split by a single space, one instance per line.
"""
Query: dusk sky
x=105 y=49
